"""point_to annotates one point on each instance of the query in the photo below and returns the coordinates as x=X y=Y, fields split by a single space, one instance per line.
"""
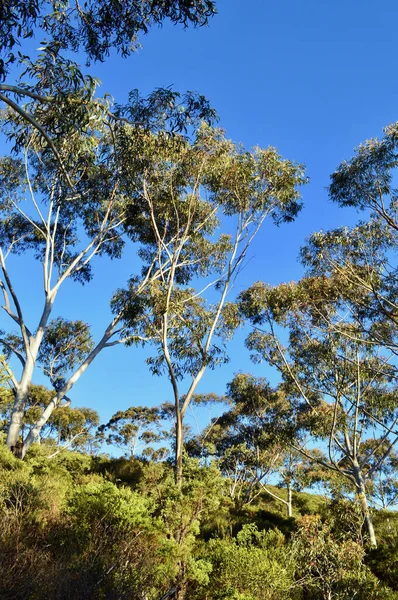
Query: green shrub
x=256 y=565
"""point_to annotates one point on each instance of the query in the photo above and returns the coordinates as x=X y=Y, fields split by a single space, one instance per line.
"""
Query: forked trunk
x=36 y=428
x=14 y=431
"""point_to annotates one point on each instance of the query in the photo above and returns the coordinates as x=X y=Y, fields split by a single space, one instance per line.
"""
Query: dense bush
x=78 y=527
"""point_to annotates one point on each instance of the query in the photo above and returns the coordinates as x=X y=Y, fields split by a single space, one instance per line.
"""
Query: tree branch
x=40 y=129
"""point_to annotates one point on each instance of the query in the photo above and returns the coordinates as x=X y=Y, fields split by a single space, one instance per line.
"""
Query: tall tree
x=254 y=442
x=189 y=191
x=348 y=303
x=343 y=391
x=65 y=141
x=66 y=224
x=356 y=267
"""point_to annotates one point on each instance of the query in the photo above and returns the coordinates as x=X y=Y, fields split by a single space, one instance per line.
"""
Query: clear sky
x=313 y=78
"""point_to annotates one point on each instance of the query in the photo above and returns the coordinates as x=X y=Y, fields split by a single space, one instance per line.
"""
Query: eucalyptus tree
x=242 y=453
x=343 y=391
x=356 y=267
x=66 y=30
x=64 y=139
x=252 y=443
x=135 y=429
x=65 y=224
x=193 y=193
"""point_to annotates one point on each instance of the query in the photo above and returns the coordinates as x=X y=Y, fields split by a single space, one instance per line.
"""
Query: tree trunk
x=367 y=517
x=181 y=592
x=361 y=493
x=18 y=410
x=36 y=428
x=179 y=450
x=289 y=500
x=17 y=414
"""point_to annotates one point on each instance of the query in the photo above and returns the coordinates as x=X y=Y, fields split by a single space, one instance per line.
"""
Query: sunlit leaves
x=65 y=345
x=135 y=429
x=94 y=27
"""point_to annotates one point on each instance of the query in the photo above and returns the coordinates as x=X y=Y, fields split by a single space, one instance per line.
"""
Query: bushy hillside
x=77 y=526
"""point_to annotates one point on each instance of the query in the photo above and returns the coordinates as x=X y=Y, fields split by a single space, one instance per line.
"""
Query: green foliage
x=329 y=566
x=115 y=509
x=135 y=429
x=383 y=561
x=92 y=27
x=66 y=344
x=78 y=526
x=255 y=565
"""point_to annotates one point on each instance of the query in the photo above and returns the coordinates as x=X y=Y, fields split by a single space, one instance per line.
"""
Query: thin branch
x=129 y=338
x=40 y=129
x=10 y=374
x=20 y=320
x=13 y=350
x=70 y=442
x=273 y=495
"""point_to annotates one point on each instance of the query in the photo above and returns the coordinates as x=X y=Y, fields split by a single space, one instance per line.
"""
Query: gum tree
x=346 y=306
x=355 y=267
x=262 y=423
x=134 y=429
x=343 y=392
x=65 y=160
x=65 y=224
x=193 y=194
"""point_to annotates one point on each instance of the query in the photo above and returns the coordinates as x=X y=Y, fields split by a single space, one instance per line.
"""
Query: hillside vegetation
x=78 y=526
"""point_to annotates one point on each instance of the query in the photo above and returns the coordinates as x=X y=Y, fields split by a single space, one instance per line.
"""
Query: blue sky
x=312 y=78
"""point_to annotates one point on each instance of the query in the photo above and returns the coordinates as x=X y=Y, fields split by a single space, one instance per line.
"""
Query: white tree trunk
x=361 y=493
x=289 y=500
x=17 y=414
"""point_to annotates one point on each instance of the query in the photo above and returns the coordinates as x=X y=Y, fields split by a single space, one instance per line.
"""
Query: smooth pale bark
x=179 y=449
x=289 y=501
x=35 y=430
x=18 y=411
x=32 y=345
x=17 y=415
x=362 y=497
